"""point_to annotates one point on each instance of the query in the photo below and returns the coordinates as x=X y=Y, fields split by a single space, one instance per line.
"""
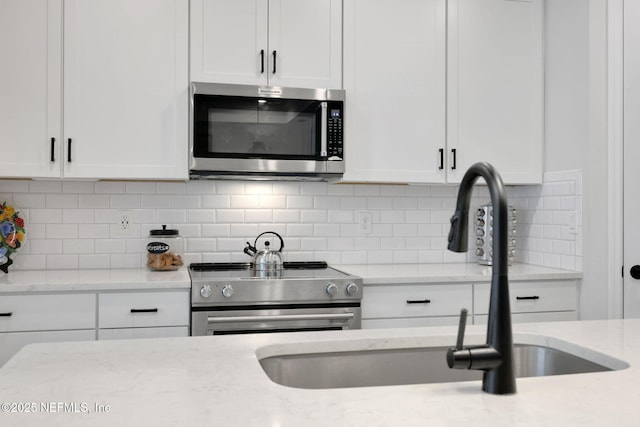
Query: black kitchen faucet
x=495 y=358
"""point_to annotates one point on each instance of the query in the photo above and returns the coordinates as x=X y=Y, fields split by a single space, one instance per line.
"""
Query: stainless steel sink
x=398 y=366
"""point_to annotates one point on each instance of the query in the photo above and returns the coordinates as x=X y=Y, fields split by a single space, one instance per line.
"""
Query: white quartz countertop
x=218 y=381
x=142 y=278
x=451 y=272
x=93 y=280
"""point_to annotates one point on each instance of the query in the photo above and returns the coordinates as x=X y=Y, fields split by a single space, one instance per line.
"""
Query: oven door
x=260 y=319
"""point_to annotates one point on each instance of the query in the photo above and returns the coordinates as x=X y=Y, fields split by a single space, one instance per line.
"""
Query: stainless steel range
x=230 y=298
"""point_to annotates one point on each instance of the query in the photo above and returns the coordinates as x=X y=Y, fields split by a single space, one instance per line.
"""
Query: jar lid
x=163 y=232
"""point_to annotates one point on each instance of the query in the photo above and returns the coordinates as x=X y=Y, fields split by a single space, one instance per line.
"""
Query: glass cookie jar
x=164 y=249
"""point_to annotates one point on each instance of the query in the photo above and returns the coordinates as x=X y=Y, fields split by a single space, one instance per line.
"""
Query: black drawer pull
x=144 y=310
x=69 y=150
x=9 y=314
x=531 y=297
x=53 y=148
x=418 y=301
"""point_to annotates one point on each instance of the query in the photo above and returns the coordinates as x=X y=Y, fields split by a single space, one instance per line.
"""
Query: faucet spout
x=495 y=358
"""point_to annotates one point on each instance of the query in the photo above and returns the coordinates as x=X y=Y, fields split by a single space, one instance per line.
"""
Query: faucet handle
x=461 y=326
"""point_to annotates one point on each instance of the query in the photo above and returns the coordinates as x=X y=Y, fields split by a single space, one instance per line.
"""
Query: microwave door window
x=257 y=128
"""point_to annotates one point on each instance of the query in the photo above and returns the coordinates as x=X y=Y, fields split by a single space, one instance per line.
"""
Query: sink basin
x=417 y=365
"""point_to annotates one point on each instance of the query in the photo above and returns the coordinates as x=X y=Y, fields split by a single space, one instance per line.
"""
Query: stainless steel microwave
x=266 y=132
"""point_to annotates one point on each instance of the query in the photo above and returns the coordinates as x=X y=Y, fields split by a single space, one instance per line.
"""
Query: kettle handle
x=270 y=232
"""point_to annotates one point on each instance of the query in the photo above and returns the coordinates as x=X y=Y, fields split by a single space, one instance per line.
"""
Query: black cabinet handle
x=53 y=148
x=274 y=62
x=261 y=61
x=441 y=150
x=635 y=271
x=453 y=164
x=144 y=310
x=69 y=150
x=418 y=301
x=9 y=314
x=531 y=297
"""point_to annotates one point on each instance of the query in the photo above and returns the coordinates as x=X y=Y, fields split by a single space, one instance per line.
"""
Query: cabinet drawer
x=143 y=309
x=46 y=312
x=531 y=297
x=12 y=342
x=549 y=316
x=410 y=322
x=415 y=300
x=131 y=333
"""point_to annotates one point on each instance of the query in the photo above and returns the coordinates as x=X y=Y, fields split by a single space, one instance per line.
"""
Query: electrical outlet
x=364 y=222
x=124 y=223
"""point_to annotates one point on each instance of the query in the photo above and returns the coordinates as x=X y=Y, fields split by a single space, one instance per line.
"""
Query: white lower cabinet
x=80 y=316
x=143 y=314
x=532 y=301
x=439 y=304
x=12 y=342
x=401 y=305
x=35 y=318
x=132 y=333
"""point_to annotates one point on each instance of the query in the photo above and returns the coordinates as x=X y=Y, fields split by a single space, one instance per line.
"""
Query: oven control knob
x=332 y=289
x=206 y=291
x=227 y=291
x=352 y=289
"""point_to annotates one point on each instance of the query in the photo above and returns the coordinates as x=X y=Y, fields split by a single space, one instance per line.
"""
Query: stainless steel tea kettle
x=266 y=262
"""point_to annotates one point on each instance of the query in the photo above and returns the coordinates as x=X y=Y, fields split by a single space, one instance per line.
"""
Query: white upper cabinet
x=394 y=62
x=495 y=87
x=126 y=89
x=295 y=43
x=123 y=113
x=30 y=111
x=445 y=85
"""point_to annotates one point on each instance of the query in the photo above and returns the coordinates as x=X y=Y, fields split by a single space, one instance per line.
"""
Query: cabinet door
x=126 y=89
x=229 y=41
x=305 y=43
x=30 y=113
x=531 y=297
x=136 y=333
x=41 y=312
x=12 y=342
x=143 y=309
x=394 y=75
x=415 y=300
x=495 y=87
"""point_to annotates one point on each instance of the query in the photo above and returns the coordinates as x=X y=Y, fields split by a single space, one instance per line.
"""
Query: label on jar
x=157 y=247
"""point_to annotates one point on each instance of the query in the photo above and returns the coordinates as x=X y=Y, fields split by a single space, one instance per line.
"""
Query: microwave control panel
x=335 y=130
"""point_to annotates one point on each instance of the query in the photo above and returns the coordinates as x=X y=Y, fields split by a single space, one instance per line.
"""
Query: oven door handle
x=281 y=317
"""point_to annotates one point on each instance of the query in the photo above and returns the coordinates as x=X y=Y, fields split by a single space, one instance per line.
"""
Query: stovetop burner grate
x=227 y=266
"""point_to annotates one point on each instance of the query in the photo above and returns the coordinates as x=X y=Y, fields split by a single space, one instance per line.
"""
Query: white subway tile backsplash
x=88 y=261
x=126 y=201
x=78 y=187
x=61 y=201
x=62 y=262
x=139 y=187
x=110 y=187
x=73 y=224
x=171 y=188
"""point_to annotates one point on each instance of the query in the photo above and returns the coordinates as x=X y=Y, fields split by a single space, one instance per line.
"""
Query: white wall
x=576 y=131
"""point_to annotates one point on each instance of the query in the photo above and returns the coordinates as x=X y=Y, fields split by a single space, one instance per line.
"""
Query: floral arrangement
x=11 y=234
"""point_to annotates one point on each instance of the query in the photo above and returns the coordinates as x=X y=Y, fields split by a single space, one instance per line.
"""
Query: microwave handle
x=323 y=129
